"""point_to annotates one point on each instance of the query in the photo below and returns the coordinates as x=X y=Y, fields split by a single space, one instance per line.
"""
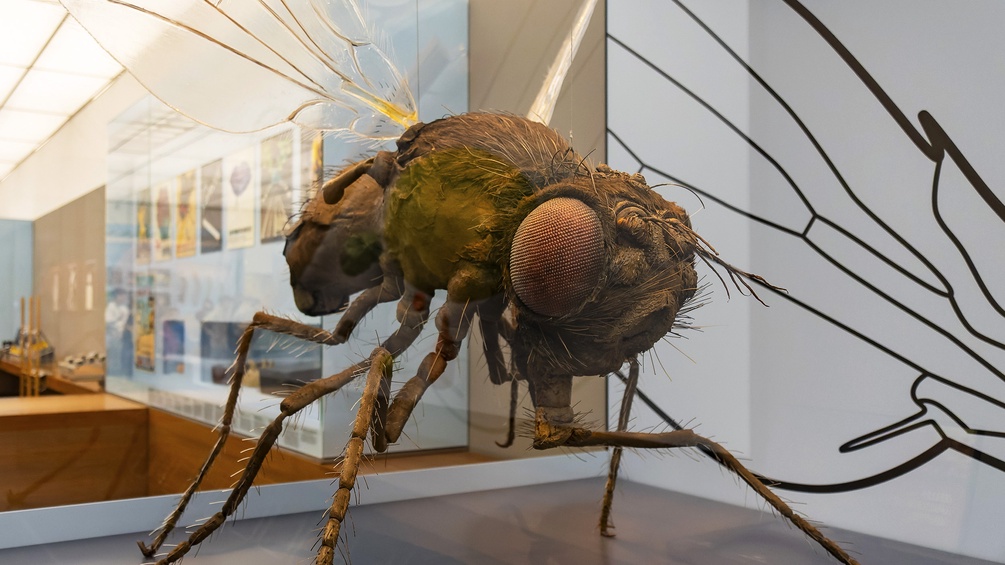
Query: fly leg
x=412 y=320
x=413 y=312
x=514 y=400
x=379 y=375
x=555 y=435
x=489 y=316
x=388 y=419
x=606 y=524
x=390 y=288
x=453 y=322
x=490 y=321
x=506 y=329
x=295 y=402
x=262 y=321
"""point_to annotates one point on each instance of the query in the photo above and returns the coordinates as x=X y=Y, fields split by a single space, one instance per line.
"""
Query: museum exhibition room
x=523 y=281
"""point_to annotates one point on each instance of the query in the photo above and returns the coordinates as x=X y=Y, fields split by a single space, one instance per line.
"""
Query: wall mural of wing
x=856 y=156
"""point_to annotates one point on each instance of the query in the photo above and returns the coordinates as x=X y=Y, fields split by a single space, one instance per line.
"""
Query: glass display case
x=196 y=223
x=830 y=148
x=195 y=250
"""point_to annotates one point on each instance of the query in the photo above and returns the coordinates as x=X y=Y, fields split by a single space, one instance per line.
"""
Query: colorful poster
x=239 y=180
x=217 y=341
x=146 y=313
x=174 y=346
x=185 y=215
x=211 y=226
x=144 y=227
x=163 y=204
x=277 y=184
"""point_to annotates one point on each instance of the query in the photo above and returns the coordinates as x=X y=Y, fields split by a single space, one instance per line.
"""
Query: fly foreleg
x=295 y=402
x=260 y=321
x=382 y=363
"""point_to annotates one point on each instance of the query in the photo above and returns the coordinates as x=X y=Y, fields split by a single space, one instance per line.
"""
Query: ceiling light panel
x=14 y=151
x=8 y=79
x=56 y=93
x=49 y=68
x=17 y=125
x=25 y=27
x=72 y=50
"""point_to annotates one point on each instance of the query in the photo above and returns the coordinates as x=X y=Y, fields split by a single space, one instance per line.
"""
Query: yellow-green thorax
x=450 y=217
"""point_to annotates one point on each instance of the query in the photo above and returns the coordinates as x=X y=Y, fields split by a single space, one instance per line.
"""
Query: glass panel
x=195 y=230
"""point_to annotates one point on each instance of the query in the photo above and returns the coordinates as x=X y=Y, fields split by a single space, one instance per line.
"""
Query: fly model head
x=598 y=270
x=333 y=250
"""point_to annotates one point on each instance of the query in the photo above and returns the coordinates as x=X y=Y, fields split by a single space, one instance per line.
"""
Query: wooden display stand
x=71 y=449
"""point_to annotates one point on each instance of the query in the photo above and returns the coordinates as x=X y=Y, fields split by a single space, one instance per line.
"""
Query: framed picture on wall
x=312 y=170
x=239 y=179
x=144 y=227
x=211 y=212
x=144 y=313
x=185 y=215
x=163 y=206
x=277 y=179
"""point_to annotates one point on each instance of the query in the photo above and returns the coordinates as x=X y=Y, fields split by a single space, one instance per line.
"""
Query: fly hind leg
x=606 y=523
x=551 y=435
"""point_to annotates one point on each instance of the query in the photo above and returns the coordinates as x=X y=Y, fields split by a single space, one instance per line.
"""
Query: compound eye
x=557 y=257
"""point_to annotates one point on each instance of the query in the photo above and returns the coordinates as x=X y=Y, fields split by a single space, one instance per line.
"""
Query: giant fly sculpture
x=578 y=269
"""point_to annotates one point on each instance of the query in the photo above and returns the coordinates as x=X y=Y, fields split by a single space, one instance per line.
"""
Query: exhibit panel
x=871 y=390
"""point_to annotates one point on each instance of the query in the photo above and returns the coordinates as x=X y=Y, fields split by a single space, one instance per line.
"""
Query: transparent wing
x=544 y=104
x=245 y=65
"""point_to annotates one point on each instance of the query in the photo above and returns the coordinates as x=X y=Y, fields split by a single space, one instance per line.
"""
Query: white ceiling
x=49 y=68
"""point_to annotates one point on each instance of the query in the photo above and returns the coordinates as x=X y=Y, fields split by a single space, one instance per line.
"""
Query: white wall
x=72 y=163
x=838 y=358
x=16 y=260
x=655 y=127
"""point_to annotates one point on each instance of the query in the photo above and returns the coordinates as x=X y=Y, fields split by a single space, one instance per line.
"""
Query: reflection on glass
x=178 y=303
x=196 y=225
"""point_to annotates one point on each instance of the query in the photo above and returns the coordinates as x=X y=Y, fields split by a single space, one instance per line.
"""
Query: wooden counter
x=63 y=405
x=70 y=449
x=179 y=446
x=55 y=382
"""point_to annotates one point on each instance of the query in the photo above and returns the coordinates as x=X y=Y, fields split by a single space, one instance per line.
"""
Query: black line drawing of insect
x=932 y=276
x=578 y=269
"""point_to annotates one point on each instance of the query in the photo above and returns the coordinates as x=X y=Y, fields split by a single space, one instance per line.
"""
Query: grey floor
x=544 y=524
